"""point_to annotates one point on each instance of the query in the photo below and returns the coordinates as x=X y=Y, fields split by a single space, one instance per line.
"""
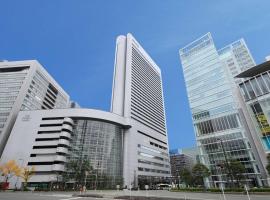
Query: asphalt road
x=108 y=195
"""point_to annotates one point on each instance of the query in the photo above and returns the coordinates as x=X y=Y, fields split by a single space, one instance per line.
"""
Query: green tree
x=199 y=172
x=237 y=170
x=77 y=171
x=186 y=177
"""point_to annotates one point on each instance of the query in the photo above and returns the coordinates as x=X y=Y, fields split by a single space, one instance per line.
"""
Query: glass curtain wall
x=217 y=123
x=256 y=92
x=101 y=144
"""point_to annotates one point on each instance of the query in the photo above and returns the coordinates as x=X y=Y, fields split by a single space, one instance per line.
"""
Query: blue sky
x=75 y=41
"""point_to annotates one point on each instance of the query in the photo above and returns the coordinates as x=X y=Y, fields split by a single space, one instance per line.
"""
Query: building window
x=250 y=90
x=256 y=87
x=262 y=84
x=244 y=91
x=266 y=79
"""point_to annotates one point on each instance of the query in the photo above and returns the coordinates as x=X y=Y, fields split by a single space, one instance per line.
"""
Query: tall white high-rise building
x=222 y=131
x=129 y=143
x=137 y=94
x=237 y=58
x=26 y=85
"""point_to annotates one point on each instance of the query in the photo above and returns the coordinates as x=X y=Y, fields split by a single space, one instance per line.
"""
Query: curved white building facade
x=52 y=137
x=129 y=143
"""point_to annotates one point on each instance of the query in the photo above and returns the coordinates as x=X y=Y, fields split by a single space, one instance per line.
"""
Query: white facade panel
x=26 y=85
x=137 y=119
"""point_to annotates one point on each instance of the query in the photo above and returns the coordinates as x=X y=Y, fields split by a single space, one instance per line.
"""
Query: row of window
x=227 y=146
x=226 y=137
x=213 y=111
x=195 y=47
x=152 y=150
x=147 y=155
x=3 y=119
x=255 y=87
x=5 y=108
x=201 y=115
x=5 y=80
x=146 y=83
x=42 y=87
x=7 y=98
x=28 y=104
x=11 y=74
x=153 y=170
x=217 y=124
x=211 y=74
x=203 y=66
x=5 y=93
x=10 y=88
x=149 y=136
x=142 y=121
x=61 y=100
x=218 y=157
x=157 y=145
x=6 y=103
x=4 y=113
x=152 y=163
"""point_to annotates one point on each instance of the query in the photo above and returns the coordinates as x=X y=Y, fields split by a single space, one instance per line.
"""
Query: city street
x=112 y=194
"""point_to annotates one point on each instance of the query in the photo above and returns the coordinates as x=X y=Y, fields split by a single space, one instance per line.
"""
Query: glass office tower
x=218 y=124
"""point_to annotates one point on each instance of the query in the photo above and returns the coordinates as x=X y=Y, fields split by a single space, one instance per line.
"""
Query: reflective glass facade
x=215 y=111
x=256 y=92
x=102 y=144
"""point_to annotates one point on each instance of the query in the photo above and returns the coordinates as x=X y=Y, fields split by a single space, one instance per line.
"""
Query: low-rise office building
x=54 y=137
x=180 y=162
x=183 y=158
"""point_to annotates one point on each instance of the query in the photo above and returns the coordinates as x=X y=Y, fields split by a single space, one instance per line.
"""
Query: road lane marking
x=56 y=195
x=72 y=198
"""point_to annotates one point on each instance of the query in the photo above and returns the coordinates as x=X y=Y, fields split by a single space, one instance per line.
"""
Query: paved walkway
x=183 y=195
x=109 y=195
